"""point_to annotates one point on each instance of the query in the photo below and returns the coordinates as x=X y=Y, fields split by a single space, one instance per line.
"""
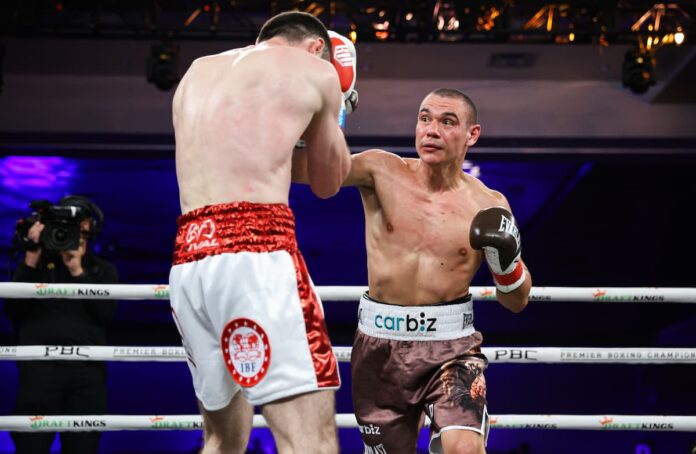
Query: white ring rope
x=526 y=355
x=66 y=423
x=353 y=293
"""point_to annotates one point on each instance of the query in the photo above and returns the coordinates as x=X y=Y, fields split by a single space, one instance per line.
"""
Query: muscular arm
x=327 y=154
x=361 y=169
x=362 y=172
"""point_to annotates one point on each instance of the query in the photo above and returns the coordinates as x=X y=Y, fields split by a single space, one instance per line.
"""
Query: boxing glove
x=494 y=231
x=344 y=59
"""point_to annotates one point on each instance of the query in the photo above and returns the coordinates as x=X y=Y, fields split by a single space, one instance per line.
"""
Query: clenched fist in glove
x=344 y=59
x=494 y=231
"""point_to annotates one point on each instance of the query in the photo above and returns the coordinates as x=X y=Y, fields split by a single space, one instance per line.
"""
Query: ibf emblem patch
x=201 y=235
x=247 y=351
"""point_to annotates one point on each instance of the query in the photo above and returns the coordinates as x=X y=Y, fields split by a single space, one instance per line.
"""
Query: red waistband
x=234 y=227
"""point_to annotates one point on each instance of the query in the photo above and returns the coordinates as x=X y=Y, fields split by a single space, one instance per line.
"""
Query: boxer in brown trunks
x=428 y=228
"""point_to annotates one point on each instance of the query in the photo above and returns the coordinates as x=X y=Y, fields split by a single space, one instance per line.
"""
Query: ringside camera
x=62 y=226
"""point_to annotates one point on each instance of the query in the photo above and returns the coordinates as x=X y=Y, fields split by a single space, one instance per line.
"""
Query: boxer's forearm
x=518 y=299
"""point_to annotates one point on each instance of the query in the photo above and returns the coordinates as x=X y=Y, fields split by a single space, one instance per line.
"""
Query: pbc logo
x=65 y=350
x=201 y=235
x=247 y=351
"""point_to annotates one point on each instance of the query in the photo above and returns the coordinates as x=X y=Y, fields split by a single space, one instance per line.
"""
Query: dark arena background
x=588 y=114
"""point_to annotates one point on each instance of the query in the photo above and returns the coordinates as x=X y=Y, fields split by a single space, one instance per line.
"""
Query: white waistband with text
x=437 y=322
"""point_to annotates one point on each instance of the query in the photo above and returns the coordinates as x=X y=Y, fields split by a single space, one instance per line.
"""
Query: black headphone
x=94 y=213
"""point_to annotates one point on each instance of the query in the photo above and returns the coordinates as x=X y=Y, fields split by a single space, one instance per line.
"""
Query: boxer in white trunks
x=241 y=296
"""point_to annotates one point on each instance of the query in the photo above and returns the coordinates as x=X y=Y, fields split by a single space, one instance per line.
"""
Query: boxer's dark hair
x=296 y=26
x=454 y=93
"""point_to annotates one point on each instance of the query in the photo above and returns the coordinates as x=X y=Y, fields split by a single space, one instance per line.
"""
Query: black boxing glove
x=494 y=231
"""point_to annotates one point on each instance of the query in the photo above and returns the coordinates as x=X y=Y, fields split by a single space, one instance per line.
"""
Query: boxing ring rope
x=526 y=355
x=353 y=293
x=344 y=420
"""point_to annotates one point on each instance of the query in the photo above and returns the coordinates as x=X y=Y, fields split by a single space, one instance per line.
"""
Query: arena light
x=544 y=17
x=413 y=21
x=381 y=25
x=192 y=17
x=638 y=70
x=555 y=19
x=163 y=66
x=486 y=21
x=447 y=21
x=315 y=9
x=663 y=23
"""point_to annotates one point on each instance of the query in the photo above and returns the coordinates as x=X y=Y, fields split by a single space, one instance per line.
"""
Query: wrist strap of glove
x=507 y=283
x=342 y=116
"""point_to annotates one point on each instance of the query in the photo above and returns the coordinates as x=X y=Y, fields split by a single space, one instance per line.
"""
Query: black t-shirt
x=63 y=321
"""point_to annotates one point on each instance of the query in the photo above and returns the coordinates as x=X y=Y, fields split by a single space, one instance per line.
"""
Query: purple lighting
x=19 y=172
x=25 y=178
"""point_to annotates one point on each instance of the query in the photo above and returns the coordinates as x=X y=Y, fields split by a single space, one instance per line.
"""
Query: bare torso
x=237 y=117
x=417 y=239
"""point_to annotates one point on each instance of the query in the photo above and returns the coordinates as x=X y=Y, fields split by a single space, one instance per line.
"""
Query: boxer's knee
x=462 y=442
x=227 y=430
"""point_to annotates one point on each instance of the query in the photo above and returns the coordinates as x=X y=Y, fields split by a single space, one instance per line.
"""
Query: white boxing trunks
x=246 y=308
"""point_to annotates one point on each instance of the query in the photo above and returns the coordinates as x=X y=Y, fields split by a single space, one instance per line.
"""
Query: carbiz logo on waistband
x=408 y=324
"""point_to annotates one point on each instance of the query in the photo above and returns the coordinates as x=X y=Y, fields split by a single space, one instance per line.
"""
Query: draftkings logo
x=487 y=294
x=161 y=422
x=45 y=290
x=607 y=423
x=40 y=422
x=161 y=291
x=602 y=295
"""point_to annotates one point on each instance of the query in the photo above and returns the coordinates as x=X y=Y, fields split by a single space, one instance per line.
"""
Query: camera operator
x=61 y=387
